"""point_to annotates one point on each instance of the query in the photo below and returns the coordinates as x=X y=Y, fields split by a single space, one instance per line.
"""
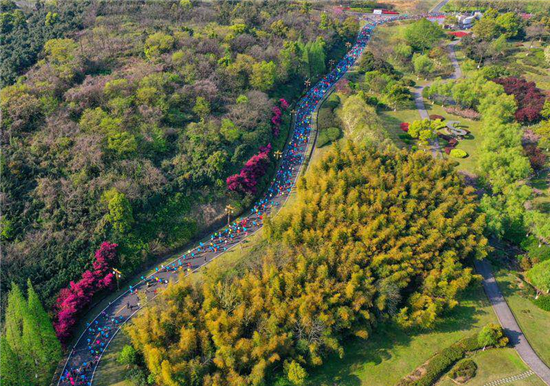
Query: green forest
x=132 y=115
x=373 y=235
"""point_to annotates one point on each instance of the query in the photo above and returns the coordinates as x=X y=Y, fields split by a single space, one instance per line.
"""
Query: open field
x=497 y=364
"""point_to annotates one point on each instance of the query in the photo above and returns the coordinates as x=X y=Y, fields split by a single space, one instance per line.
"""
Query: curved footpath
x=509 y=323
x=498 y=302
x=84 y=358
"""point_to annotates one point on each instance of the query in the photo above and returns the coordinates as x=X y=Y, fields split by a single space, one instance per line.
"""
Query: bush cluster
x=328 y=135
x=72 y=300
x=464 y=370
x=440 y=362
x=543 y=302
x=458 y=153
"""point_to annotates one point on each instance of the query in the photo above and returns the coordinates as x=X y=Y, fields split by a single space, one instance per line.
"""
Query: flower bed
x=459 y=34
x=464 y=113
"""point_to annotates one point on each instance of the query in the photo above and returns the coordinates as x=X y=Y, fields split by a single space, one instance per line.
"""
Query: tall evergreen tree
x=15 y=315
x=46 y=346
x=10 y=371
x=30 y=349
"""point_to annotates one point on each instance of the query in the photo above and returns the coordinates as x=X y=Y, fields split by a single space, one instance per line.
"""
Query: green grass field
x=497 y=364
x=534 y=322
x=391 y=353
x=471 y=144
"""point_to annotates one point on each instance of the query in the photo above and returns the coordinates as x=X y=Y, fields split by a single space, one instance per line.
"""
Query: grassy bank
x=496 y=364
x=391 y=352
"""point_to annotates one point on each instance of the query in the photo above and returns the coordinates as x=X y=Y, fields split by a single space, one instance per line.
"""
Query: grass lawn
x=110 y=372
x=471 y=144
x=496 y=364
x=393 y=119
x=534 y=321
x=391 y=353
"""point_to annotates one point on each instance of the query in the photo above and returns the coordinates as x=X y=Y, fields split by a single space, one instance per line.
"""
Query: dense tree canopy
x=128 y=129
x=372 y=235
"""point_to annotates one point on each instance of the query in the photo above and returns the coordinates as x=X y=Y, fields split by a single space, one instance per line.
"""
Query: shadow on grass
x=384 y=341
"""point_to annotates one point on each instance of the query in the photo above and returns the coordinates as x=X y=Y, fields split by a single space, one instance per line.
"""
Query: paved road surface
x=85 y=356
x=438 y=7
x=509 y=323
x=503 y=312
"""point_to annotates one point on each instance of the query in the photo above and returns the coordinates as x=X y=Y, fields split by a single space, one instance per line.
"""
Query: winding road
x=83 y=360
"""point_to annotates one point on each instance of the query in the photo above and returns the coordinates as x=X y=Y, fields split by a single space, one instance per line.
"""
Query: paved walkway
x=509 y=323
x=503 y=312
x=513 y=378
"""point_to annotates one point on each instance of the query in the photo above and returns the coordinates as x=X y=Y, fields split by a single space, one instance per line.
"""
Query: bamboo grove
x=373 y=235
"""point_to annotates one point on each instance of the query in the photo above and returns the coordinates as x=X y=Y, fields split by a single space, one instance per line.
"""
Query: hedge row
x=447 y=357
x=543 y=302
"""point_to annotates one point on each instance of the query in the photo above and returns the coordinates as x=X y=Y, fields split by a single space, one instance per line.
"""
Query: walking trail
x=501 y=308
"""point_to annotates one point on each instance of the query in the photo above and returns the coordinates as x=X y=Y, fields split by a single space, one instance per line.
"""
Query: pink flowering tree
x=249 y=176
x=72 y=300
x=277 y=115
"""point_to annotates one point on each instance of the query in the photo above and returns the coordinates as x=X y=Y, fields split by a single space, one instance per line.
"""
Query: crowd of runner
x=84 y=358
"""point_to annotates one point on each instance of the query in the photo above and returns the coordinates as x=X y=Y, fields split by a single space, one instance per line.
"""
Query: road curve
x=503 y=312
x=509 y=323
x=84 y=358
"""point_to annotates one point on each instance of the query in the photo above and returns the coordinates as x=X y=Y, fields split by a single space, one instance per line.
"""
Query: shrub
x=404 y=126
x=492 y=335
x=327 y=136
x=537 y=157
x=536 y=250
x=433 y=117
x=254 y=169
x=333 y=101
x=325 y=118
x=128 y=356
x=458 y=153
x=72 y=300
x=463 y=371
x=539 y=276
x=543 y=302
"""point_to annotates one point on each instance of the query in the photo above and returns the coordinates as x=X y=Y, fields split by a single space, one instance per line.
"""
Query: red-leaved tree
x=249 y=176
x=529 y=98
x=73 y=299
